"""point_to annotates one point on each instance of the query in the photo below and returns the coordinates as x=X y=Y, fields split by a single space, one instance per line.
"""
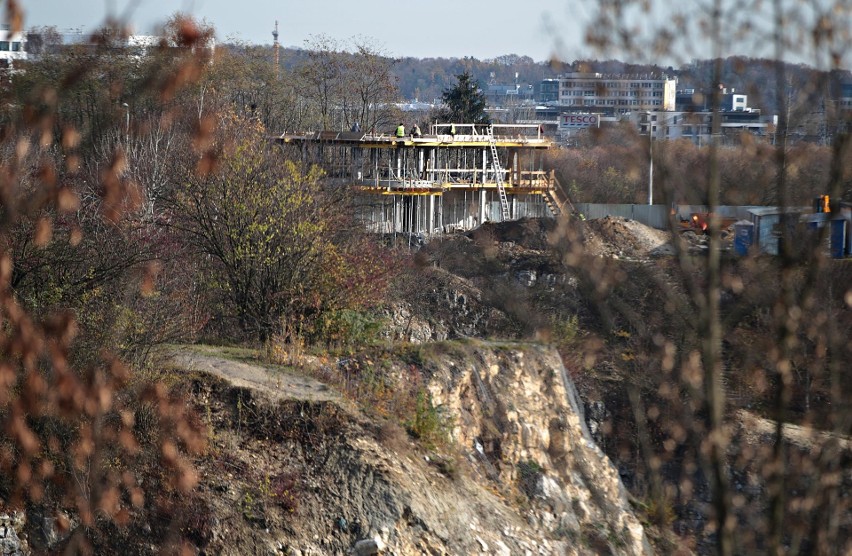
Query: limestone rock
x=368 y=547
x=10 y=543
x=520 y=409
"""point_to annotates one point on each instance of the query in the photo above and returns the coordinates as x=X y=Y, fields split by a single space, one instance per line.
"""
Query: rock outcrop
x=521 y=474
x=444 y=307
x=10 y=543
x=515 y=408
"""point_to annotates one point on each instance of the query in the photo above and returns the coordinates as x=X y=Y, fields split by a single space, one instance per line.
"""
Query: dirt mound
x=531 y=233
x=620 y=237
x=612 y=236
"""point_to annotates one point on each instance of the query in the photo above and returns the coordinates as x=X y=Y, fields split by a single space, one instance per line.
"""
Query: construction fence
x=657 y=216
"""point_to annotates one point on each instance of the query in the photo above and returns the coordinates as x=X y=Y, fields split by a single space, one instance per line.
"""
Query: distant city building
x=548 y=91
x=143 y=45
x=697 y=126
x=140 y=45
x=499 y=95
x=12 y=47
x=846 y=96
x=53 y=41
x=611 y=93
x=690 y=100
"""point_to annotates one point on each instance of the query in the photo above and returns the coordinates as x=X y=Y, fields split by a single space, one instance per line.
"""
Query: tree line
x=610 y=165
x=427 y=78
x=339 y=82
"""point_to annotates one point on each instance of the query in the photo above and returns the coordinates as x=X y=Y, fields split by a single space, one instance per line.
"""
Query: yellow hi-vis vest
x=400 y=131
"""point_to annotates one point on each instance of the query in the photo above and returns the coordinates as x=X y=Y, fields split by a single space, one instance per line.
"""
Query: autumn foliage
x=275 y=242
x=610 y=165
x=141 y=203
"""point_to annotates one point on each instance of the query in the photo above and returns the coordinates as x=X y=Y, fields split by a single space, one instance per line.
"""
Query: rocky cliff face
x=520 y=475
x=515 y=408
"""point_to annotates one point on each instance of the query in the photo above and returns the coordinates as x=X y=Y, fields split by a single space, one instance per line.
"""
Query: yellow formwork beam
x=393 y=143
x=439 y=190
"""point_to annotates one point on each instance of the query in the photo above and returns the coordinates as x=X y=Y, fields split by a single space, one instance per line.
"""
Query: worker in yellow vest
x=400 y=131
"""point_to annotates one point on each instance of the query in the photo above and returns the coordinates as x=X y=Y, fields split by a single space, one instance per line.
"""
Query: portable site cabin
x=838 y=236
x=772 y=225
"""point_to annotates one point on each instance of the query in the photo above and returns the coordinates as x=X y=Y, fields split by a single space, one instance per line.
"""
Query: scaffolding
x=455 y=177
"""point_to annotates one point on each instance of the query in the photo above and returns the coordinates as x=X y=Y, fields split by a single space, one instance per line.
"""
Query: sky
x=481 y=29
x=432 y=28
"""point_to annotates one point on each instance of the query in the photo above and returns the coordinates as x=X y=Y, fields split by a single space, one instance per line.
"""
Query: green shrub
x=427 y=423
x=564 y=332
x=347 y=328
x=659 y=512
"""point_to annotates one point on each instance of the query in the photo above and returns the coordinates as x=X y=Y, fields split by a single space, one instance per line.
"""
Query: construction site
x=455 y=177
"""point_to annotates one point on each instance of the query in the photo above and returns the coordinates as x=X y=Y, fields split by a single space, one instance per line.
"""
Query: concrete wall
x=655 y=216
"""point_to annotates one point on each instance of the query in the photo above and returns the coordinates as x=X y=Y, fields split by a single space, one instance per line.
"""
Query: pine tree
x=465 y=102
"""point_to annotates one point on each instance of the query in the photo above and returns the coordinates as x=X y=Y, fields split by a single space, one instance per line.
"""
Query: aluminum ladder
x=498 y=176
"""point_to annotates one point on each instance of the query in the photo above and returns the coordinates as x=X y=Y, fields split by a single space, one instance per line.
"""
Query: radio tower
x=276 y=46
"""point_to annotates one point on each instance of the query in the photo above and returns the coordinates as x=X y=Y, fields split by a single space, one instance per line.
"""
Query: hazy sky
x=429 y=28
x=458 y=28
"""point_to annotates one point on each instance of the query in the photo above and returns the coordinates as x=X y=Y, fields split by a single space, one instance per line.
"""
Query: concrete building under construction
x=455 y=177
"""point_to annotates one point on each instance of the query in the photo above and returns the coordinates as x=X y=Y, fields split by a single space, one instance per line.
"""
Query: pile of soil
x=531 y=233
x=614 y=236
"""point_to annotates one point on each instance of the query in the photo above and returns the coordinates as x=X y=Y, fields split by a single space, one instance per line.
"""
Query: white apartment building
x=12 y=47
x=617 y=94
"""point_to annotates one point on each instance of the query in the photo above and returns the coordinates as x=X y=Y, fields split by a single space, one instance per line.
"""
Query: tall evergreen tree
x=465 y=102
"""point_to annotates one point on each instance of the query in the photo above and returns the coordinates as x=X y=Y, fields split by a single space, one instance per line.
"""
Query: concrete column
x=417 y=226
x=431 y=214
x=483 y=201
x=357 y=162
x=516 y=167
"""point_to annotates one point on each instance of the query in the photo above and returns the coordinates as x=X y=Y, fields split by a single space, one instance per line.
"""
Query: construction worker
x=453 y=130
x=416 y=131
x=400 y=131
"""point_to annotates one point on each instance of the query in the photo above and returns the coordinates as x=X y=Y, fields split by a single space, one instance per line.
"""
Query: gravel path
x=756 y=427
x=278 y=383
